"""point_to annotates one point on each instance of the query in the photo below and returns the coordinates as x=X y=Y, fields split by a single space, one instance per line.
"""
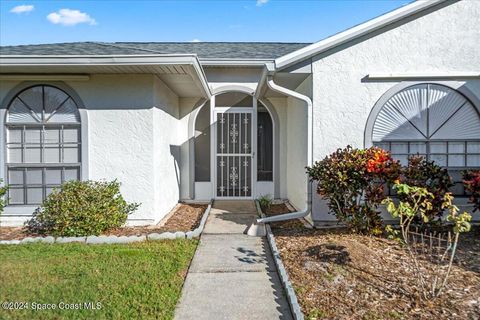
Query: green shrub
x=427 y=174
x=352 y=182
x=3 y=191
x=82 y=208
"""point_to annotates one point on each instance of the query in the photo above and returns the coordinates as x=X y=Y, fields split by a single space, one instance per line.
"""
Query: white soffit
x=355 y=32
x=173 y=69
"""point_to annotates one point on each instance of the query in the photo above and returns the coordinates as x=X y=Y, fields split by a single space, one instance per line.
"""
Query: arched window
x=434 y=121
x=42 y=143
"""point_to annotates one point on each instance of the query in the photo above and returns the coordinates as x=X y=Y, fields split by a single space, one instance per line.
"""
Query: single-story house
x=199 y=121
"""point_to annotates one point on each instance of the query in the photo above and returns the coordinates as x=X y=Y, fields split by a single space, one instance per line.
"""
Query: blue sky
x=31 y=22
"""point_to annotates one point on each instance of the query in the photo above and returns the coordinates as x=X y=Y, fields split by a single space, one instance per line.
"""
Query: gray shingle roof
x=204 y=50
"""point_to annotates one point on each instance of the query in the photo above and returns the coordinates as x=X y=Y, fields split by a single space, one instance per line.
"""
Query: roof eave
x=43 y=60
x=356 y=32
x=110 y=60
x=236 y=62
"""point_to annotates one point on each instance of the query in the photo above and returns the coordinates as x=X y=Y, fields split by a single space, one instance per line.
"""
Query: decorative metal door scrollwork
x=234 y=154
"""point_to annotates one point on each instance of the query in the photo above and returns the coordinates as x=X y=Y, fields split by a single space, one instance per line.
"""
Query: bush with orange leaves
x=352 y=181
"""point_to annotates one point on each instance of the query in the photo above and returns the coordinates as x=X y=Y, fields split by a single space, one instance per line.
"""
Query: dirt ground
x=337 y=275
x=275 y=209
x=282 y=208
x=185 y=217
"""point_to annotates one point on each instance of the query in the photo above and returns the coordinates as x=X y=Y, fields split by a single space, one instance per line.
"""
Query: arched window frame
x=82 y=164
x=456 y=86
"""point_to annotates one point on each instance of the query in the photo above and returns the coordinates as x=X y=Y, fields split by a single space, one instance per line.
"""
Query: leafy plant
x=471 y=181
x=417 y=201
x=3 y=192
x=427 y=174
x=265 y=201
x=82 y=208
x=416 y=204
x=352 y=182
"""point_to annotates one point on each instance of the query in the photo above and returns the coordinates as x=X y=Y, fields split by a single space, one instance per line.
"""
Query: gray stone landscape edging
x=196 y=232
x=119 y=239
x=291 y=296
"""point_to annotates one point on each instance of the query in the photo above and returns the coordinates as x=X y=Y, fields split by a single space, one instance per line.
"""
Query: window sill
x=19 y=210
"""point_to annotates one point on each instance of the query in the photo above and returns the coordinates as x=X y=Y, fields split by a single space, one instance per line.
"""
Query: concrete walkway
x=232 y=275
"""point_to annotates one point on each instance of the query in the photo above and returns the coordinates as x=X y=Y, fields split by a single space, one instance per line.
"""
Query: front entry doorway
x=234 y=149
x=234 y=132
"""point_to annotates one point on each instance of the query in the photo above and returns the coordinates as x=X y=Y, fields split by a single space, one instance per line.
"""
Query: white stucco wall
x=296 y=178
x=168 y=134
x=120 y=135
x=443 y=41
x=133 y=133
x=187 y=107
x=5 y=87
x=280 y=106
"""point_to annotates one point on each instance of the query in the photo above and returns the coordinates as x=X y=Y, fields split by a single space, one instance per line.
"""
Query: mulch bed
x=337 y=275
x=276 y=209
x=281 y=208
x=186 y=217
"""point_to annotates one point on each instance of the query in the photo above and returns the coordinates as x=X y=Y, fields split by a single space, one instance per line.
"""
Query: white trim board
x=357 y=31
x=425 y=76
x=44 y=77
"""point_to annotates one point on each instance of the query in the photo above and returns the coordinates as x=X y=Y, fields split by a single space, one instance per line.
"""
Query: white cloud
x=68 y=17
x=261 y=2
x=22 y=9
x=196 y=40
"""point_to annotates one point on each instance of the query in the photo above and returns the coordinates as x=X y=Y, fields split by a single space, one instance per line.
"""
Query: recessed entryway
x=234 y=149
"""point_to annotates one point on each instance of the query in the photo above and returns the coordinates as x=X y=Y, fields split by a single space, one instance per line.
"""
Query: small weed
x=265 y=201
x=316 y=314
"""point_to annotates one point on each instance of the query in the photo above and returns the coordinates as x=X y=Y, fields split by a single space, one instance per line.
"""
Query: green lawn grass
x=131 y=281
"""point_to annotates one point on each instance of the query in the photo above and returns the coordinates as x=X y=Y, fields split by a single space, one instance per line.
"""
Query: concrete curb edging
x=196 y=232
x=118 y=239
x=290 y=292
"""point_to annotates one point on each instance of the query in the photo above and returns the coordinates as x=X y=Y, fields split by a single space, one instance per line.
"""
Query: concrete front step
x=226 y=222
x=235 y=206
